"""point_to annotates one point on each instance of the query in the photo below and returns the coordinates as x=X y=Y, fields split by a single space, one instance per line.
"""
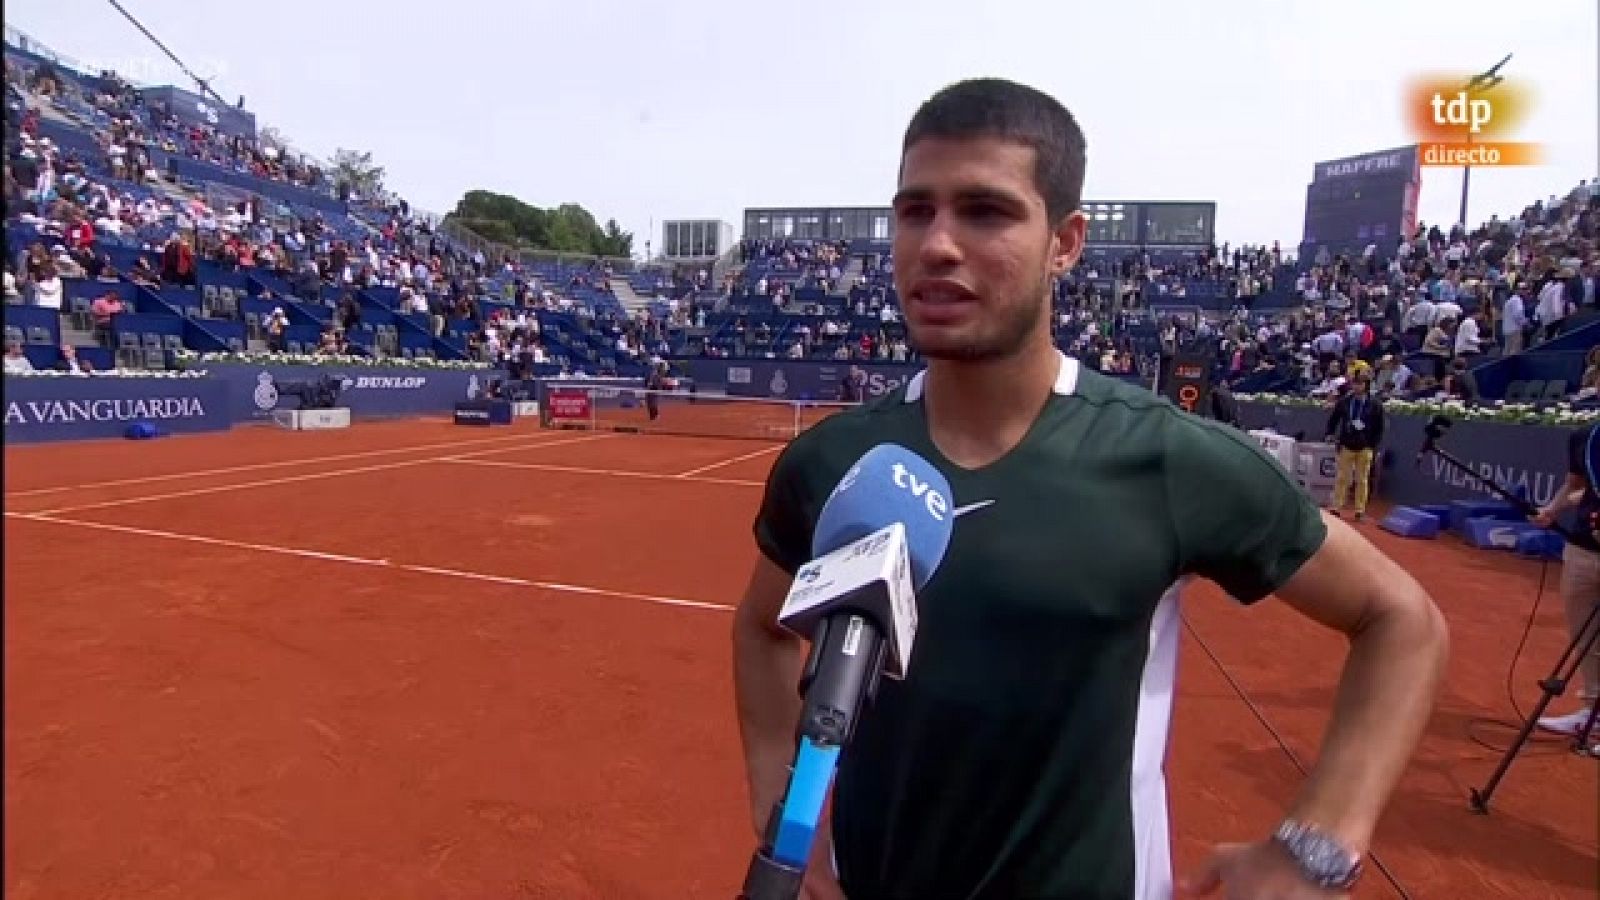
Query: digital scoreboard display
x=1359 y=200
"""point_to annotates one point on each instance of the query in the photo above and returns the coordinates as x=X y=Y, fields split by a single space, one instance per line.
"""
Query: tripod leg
x=1582 y=742
x=1554 y=686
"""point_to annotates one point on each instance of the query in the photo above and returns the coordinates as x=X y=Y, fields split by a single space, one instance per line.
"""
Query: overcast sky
x=645 y=111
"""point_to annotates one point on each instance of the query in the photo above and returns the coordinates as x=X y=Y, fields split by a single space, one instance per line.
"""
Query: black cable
x=204 y=85
x=1476 y=722
x=1372 y=855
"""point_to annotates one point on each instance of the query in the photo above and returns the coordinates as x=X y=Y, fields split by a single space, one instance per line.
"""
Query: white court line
x=310 y=476
x=376 y=563
x=571 y=588
x=613 y=473
x=252 y=467
x=728 y=462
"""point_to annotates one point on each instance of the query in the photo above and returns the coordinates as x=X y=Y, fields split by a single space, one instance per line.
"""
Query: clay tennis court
x=417 y=660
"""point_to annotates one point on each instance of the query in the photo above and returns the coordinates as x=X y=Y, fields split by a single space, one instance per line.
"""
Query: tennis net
x=608 y=408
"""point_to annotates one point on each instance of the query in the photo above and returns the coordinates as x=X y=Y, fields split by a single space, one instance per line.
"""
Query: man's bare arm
x=1566 y=497
x=767 y=662
x=1398 y=646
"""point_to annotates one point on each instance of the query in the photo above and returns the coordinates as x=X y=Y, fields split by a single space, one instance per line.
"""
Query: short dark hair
x=997 y=108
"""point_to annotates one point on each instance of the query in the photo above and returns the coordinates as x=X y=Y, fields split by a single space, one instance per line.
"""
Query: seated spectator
x=47 y=287
x=69 y=360
x=103 y=308
x=277 y=328
x=144 y=274
x=177 y=263
x=17 y=362
x=67 y=266
x=1393 y=377
x=349 y=312
x=1332 y=382
x=1439 y=346
x=1459 y=383
x=1469 y=341
x=1589 y=386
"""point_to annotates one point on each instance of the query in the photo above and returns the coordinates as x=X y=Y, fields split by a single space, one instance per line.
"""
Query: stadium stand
x=133 y=235
x=1505 y=312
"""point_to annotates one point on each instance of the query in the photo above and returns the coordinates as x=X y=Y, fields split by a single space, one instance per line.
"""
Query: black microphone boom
x=1435 y=429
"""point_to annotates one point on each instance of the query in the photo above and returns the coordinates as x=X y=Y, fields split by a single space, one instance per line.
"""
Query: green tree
x=357 y=172
x=568 y=228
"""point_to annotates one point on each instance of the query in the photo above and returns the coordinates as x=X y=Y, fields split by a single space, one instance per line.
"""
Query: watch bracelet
x=1314 y=852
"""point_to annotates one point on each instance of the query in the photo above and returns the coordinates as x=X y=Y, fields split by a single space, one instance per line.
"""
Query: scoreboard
x=1371 y=198
x=1161 y=229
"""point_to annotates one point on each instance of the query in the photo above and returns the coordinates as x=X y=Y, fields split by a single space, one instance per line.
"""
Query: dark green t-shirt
x=1021 y=756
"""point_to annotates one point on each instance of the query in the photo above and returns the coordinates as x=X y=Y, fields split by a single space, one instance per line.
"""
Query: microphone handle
x=767 y=878
x=848 y=653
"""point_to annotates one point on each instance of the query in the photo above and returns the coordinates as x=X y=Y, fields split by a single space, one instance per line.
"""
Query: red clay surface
x=272 y=664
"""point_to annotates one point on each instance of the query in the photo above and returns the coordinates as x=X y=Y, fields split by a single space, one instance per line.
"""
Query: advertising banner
x=568 y=403
x=368 y=391
x=193 y=109
x=1527 y=458
x=799 y=379
x=483 y=413
x=67 y=408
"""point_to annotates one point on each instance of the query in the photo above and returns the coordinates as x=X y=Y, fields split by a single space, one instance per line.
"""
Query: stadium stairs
x=625 y=294
x=847 y=278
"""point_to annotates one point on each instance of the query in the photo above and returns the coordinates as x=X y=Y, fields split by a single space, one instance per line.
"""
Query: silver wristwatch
x=1323 y=860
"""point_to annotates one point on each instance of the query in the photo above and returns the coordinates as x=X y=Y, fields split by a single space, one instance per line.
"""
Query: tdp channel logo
x=1470 y=120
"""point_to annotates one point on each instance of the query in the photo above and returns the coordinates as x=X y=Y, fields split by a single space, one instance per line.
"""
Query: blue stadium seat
x=1411 y=522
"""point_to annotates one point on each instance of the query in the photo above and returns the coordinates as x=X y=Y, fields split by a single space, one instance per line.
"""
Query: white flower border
x=186 y=358
x=1561 y=414
x=112 y=373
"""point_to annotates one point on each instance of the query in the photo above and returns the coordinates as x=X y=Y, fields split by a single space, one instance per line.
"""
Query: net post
x=795 y=429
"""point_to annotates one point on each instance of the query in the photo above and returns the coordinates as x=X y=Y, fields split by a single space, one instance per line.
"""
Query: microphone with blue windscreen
x=889 y=484
x=878 y=540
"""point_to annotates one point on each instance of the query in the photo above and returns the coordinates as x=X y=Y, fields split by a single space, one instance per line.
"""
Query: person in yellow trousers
x=1356 y=426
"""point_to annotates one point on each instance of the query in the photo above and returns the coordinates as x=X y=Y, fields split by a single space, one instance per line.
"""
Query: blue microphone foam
x=890 y=484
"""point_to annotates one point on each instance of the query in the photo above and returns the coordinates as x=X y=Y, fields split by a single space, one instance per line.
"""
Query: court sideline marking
x=728 y=462
x=309 y=476
x=617 y=473
x=374 y=563
x=251 y=467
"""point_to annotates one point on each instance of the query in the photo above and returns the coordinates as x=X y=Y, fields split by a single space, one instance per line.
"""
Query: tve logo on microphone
x=938 y=506
x=889 y=484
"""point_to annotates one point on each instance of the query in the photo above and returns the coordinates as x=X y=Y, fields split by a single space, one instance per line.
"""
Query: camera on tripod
x=1583 y=640
x=1436 y=428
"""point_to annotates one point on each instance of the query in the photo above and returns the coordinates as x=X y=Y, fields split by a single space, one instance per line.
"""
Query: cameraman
x=1580 y=565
